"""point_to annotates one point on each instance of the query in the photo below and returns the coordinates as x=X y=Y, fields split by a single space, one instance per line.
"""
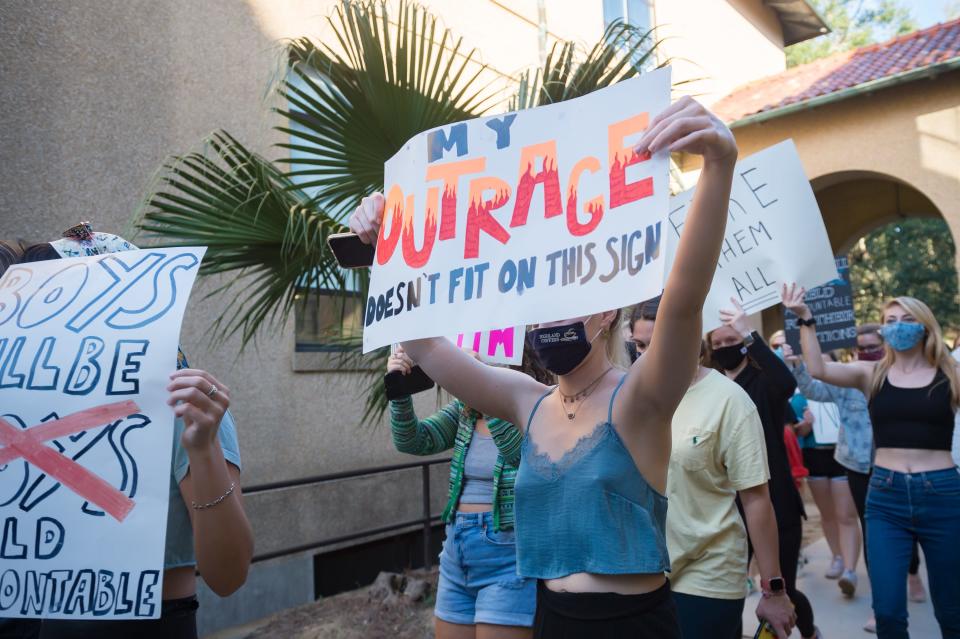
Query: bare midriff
x=913 y=460
x=620 y=584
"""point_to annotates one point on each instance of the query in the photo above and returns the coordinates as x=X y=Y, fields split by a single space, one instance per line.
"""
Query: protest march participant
x=915 y=487
x=854 y=450
x=745 y=358
x=207 y=528
x=827 y=482
x=590 y=509
x=479 y=593
x=718 y=453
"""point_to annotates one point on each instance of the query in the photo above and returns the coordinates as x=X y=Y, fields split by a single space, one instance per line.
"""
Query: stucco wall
x=721 y=45
x=909 y=133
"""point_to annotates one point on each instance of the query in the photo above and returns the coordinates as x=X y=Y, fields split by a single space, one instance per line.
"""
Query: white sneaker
x=836 y=568
x=848 y=583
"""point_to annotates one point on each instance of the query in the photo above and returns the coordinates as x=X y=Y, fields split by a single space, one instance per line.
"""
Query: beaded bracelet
x=216 y=501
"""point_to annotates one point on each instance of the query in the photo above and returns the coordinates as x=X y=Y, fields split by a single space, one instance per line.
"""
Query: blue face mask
x=902 y=336
x=778 y=351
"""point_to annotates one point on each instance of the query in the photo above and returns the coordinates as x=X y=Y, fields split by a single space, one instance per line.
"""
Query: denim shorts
x=478 y=576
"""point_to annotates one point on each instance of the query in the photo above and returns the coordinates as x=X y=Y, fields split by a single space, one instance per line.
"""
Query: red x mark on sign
x=29 y=445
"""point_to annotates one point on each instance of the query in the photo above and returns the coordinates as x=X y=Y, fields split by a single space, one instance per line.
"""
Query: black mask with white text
x=561 y=348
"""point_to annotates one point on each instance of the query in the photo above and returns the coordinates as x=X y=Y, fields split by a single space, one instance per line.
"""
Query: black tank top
x=913 y=417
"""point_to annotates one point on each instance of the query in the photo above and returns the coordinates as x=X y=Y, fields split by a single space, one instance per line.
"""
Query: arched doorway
x=854 y=204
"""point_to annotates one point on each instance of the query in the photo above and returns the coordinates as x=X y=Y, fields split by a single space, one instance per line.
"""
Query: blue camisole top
x=590 y=511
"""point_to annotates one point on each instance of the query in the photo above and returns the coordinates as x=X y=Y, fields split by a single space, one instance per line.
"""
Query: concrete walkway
x=839 y=617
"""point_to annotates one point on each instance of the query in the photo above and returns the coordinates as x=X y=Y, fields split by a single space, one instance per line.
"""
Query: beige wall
x=721 y=44
x=875 y=158
x=908 y=134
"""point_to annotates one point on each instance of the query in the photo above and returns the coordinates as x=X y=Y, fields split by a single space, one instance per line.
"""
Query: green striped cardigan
x=453 y=427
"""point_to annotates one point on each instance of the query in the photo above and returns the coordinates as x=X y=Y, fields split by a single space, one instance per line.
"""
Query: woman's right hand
x=793 y=300
x=366 y=219
x=400 y=361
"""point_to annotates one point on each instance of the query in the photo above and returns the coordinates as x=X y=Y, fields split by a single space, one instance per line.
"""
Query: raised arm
x=414 y=436
x=498 y=392
x=427 y=436
x=658 y=380
x=853 y=375
x=813 y=388
x=782 y=382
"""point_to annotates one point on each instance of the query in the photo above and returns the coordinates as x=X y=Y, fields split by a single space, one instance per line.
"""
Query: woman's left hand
x=736 y=319
x=687 y=126
x=194 y=399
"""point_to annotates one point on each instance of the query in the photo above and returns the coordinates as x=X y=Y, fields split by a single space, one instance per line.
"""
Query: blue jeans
x=902 y=507
x=478 y=576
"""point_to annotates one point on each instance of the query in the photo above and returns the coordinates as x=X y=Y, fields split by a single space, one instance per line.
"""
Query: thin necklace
x=580 y=396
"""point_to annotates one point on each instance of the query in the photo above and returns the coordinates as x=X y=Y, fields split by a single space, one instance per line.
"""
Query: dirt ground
x=352 y=615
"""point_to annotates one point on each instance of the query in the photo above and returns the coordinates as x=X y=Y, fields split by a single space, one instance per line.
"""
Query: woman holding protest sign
x=914 y=490
x=207 y=528
x=590 y=509
x=479 y=593
x=743 y=356
x=718 y=453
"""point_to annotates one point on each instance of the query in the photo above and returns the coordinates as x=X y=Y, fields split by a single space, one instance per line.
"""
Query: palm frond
x=255 y=224
x=355 y=102
x=622 y=53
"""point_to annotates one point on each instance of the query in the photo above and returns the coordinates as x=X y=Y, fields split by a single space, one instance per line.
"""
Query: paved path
x=837 y=616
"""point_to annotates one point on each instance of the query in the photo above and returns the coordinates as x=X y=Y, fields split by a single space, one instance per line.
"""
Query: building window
x=633 y=12
x=328 y=321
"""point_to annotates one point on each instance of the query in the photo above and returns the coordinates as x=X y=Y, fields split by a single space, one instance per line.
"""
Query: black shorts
x=572 y=615
x=178 y=620
x=821 y=464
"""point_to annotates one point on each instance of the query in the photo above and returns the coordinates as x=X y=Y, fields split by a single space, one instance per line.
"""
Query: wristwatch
x=775 y=587
x=810 y=322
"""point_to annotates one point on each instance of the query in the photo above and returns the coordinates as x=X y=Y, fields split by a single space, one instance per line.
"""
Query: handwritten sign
x=826 y=421
x=86 y=349
x=832 y=307
x=522 y=218
x=774 y=234
x=499 y=346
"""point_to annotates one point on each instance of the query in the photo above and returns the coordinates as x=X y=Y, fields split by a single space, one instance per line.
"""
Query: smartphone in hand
x=399 y=385
x=765 y=631
x=350 y=250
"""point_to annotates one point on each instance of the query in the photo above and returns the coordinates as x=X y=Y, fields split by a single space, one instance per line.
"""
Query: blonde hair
x=775 y=335
x=934 y=349
x=615 y=347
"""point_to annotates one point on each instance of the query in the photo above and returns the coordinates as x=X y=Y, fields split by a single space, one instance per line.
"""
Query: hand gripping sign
x=522 y=218
x=86 y=349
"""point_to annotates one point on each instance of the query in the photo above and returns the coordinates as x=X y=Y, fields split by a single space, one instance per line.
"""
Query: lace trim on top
x=546 y=467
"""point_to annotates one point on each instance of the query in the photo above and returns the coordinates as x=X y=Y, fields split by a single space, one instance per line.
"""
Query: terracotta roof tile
x=844 y=70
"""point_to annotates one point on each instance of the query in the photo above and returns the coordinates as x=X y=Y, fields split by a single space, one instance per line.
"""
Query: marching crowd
x=595 y=496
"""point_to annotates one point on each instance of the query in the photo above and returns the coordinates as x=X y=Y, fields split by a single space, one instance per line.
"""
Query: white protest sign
x=522 y=218
x=87 y=346
x=499 y=346
x=826 y=421
x=774 y=234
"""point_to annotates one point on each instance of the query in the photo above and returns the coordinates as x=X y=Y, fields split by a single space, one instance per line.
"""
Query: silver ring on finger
x=213 y=390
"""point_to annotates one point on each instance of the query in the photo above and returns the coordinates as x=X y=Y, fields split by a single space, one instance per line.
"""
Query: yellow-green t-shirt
x=718 y=449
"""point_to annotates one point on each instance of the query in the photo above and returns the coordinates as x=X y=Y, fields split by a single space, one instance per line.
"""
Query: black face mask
x=561 y=348
x=729 y=357
x=632 y=350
